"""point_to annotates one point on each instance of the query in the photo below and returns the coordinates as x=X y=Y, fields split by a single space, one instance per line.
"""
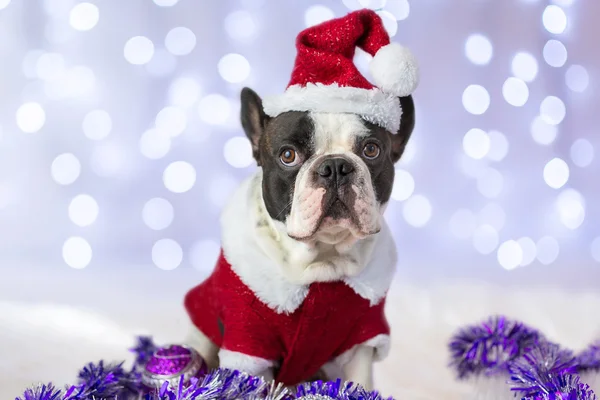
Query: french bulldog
x=308 y=223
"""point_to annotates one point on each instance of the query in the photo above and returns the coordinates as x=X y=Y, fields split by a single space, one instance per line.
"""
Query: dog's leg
x=204 y=346
x=359 y=369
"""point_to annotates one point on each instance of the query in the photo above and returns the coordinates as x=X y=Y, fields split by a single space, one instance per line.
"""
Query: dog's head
x=325 y=174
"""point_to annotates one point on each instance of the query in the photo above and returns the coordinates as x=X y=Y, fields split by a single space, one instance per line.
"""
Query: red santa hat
x=325 y=79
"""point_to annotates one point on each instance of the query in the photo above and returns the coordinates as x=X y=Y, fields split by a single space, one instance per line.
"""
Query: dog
x=312 y=213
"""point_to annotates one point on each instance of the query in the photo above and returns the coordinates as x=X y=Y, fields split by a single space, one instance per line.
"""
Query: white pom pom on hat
x=395 y=70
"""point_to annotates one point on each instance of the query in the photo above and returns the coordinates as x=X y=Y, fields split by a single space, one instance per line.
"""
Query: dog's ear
x=407 y=124
x=254 y=119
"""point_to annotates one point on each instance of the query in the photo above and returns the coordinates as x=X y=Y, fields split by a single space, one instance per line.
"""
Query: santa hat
x=325 y=78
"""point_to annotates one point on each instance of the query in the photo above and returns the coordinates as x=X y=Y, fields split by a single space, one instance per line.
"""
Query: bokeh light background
x=120 y=139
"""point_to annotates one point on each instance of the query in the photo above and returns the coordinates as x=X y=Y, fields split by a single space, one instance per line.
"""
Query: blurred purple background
x=120 y=140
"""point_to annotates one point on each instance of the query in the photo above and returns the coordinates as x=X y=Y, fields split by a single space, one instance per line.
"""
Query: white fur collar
x=254 y=247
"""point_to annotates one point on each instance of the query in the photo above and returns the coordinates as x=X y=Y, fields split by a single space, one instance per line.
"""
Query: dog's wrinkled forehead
x=318 y=133
x=337 y=133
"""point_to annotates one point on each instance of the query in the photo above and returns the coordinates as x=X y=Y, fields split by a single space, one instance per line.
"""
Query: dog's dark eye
x=371 y=151
x=289 y=158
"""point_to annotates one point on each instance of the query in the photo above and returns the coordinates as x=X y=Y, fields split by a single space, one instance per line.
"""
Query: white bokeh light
x=84 y=16
x=241 y=25
x=50 y=66
x=490 y=183
x=171 y=121
x=97 y=124
x=83 y=210
x=582 y=153
x=417 y=211
x=524 y=66
x=510 y=255
x=485 y=239
x=547 y=250
x=542 y=132
x=4 y=4
x=184 y=92
x=110 y=159
x=167 y=254
x=479 y=49
x=404 y=185
x=179 y=177
x=77 y=252
x=476 y=99
x=400 y=9
x=553 y=110
x=162 y=63
x=529 y=250
x=555 y=53
x=158 y=214
x=214 y=109
x=390 y=23
x=138 y=50
x=463 y=223
x=556 y=173
x=492 y=214
x=316 y=14
x=577 y=78
x=238 y=152
x=476 y=143
x=31 y=117
x=554 y=19
x=234 y=68
x=65 y=169
x=154 y=145
x=515 y=92
x=203 y=255
x=180 y=41
x=498 y=146
x=570 y=206
x=595 y=249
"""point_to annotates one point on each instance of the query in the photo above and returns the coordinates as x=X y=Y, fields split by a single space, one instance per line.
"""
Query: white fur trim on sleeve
x=380 y=343
x=374 y=105
x=395 y=70
x=243 y=362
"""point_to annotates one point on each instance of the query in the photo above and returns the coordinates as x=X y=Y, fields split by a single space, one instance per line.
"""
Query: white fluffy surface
x=50 y=341
x=395 y=70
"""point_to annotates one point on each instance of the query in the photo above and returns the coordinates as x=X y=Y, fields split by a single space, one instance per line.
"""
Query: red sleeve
x=372 y=329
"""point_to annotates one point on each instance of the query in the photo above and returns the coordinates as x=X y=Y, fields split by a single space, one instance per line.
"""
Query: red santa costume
x=247 y=307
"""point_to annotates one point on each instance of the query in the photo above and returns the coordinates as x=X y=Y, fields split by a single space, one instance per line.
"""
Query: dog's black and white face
x=324 y=173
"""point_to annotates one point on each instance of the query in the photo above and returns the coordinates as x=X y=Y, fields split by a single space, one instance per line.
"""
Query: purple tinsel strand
x=564 y=387
x=144 y=349
x=42 y=392
x=589 y=359
x=335 y=390
x=548 y=372
x=489 y=347
x=100 y=382
x=220 y=384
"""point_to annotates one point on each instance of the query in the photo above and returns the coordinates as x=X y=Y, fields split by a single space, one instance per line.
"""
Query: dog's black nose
x=335 y=170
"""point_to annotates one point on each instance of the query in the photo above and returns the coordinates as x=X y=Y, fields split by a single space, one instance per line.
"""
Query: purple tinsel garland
x=112 y=382
x=536 y=368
